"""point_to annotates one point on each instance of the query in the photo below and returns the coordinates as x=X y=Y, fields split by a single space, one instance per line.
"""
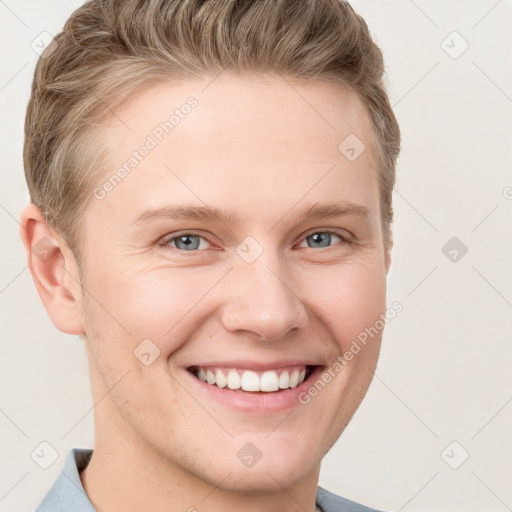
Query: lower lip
x=262 y=403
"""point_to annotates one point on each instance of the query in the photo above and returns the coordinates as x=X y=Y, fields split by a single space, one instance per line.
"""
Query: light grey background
x=444 y=373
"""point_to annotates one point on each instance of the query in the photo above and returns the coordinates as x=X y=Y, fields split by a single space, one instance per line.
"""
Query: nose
x=261 y=299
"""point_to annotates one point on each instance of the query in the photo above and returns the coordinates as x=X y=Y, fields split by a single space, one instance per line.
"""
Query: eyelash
x=344 y=239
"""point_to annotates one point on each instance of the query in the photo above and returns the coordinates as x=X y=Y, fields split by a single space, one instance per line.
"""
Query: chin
x=265 y=479
x=279 y=466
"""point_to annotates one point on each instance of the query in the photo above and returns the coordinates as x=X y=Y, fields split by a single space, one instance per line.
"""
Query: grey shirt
x=67 y=493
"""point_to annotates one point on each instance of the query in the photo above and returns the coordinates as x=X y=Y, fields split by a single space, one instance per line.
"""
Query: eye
x=187 y=242
x=192 y=242
x=323 y=239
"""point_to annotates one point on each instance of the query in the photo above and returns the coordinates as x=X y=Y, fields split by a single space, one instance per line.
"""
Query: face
x=242 y=246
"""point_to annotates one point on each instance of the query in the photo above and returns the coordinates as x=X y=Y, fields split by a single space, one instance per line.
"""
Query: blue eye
x=190 y=242
x=187 y=242
x=321 y=239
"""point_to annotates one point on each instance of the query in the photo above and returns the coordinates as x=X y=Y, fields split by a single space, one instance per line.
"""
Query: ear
x=388 y=246
x=387 y=261
x=54 y=269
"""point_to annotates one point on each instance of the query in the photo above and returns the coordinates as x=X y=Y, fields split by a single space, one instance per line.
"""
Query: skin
x=255 y=147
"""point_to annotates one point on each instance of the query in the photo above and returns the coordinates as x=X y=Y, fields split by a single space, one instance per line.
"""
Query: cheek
x=164 y=305
x=167 y=298
x=347 y=299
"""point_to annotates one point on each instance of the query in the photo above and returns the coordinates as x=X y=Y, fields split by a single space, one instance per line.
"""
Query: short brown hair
x=109 y=49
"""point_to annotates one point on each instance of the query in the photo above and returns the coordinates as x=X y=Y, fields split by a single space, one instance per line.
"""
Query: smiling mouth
x=269 y=381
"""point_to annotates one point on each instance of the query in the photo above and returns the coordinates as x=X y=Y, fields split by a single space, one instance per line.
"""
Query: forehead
x=268 y=108
x=259 y=141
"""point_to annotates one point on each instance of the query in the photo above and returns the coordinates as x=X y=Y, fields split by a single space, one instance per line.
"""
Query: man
x=210 y=212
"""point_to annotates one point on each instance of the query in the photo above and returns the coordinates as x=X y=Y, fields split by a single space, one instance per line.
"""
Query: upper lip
x=256 y=365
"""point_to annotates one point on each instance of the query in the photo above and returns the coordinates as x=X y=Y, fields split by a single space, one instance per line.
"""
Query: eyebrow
x=207 y=213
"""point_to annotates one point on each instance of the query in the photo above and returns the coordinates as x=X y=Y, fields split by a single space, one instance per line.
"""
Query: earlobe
x=54 y=270
x=388 y=262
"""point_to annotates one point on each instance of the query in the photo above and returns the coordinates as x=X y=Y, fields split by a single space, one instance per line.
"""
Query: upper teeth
x=248 y=380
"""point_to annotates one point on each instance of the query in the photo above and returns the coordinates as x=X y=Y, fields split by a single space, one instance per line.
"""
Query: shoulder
x=329 y=502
